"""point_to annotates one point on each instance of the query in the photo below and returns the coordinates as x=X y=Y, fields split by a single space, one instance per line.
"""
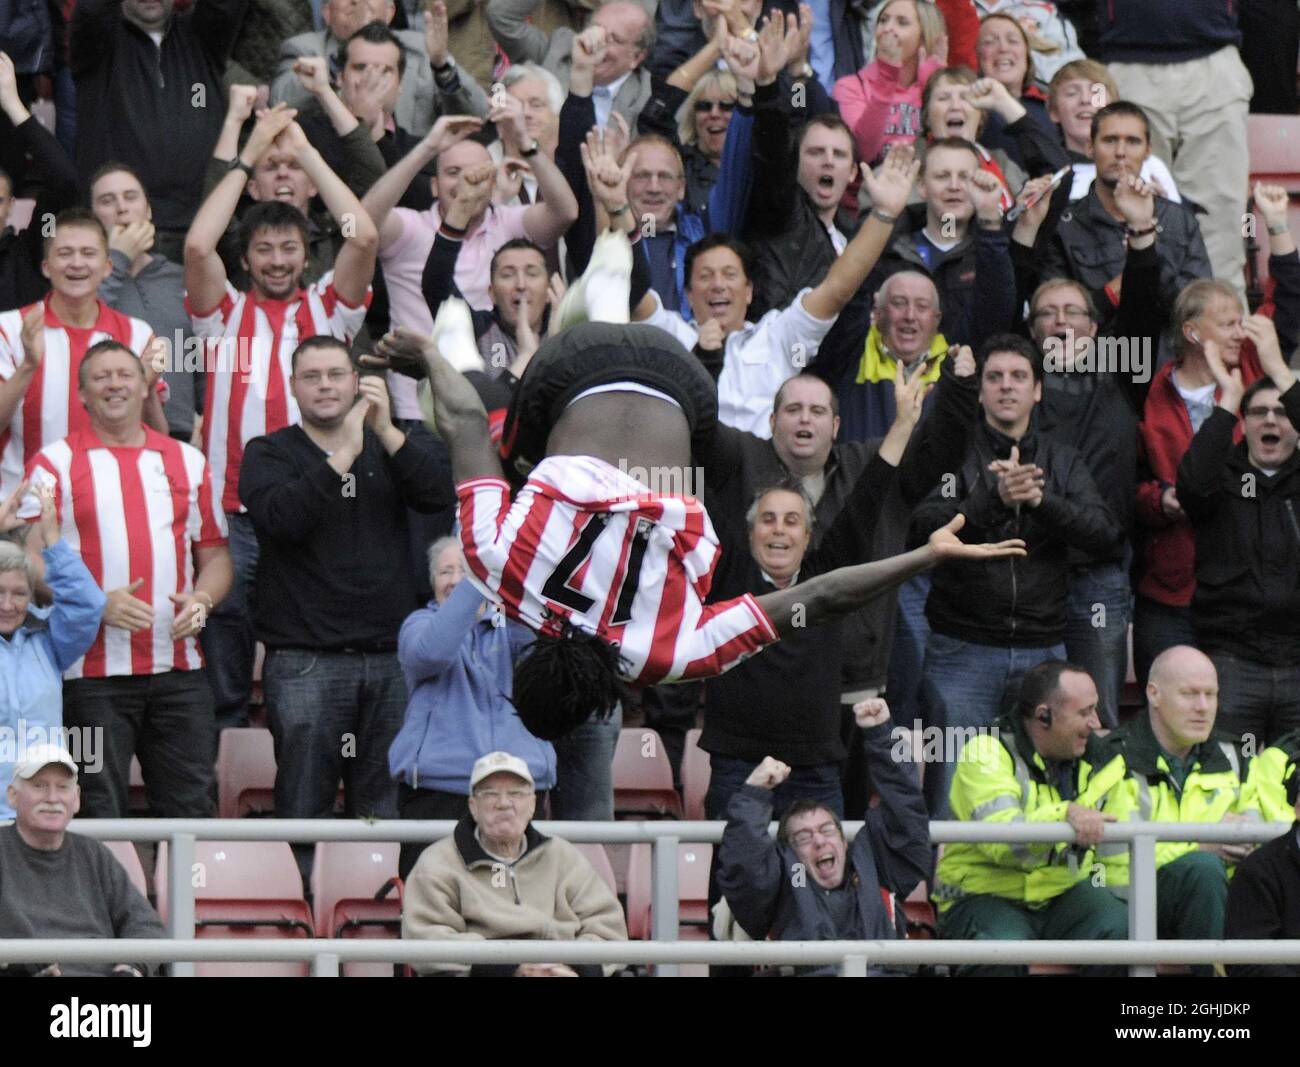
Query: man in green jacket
x=1042 y=763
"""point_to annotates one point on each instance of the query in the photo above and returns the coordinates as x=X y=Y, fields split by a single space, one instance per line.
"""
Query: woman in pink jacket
x=882 y=102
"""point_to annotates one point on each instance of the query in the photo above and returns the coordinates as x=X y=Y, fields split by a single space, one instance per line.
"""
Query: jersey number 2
x=558 y=586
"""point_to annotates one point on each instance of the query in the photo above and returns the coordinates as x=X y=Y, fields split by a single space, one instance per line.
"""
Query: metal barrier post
x=325 y=965
x=1142 y=897
x=854 y=967
x=663 y=898
x=180 y=894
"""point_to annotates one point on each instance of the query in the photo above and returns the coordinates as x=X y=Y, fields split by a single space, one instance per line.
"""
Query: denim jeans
x=1098 y=607
x=1156 y=627
x=584 y=770
x=163 y=719
x=229 y=642
x=968 y=685
x=65 y=110
x=907 y=657
x=1257 y=700
x=819 y=781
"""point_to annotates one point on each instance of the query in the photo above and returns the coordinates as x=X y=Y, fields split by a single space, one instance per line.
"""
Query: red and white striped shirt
x=51 y=408
x=133 y=513
x=583 y=542
x=248 y=373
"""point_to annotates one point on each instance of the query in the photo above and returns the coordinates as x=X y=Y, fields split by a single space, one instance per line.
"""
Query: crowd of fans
x=977 y=258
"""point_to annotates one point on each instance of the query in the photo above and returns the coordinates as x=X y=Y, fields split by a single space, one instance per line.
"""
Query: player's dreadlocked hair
x=560 y=681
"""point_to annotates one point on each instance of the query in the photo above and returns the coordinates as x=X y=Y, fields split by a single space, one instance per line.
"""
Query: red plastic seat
x=696 y=772
x=243 y=889
x=356 y=893
x=693 y=862
x=643 y=776
x=599 y=858
x=126 y=855
x=245 y=773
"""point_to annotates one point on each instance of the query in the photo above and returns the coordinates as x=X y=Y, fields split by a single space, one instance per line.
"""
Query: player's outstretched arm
x=458 y=411
x=837 y=593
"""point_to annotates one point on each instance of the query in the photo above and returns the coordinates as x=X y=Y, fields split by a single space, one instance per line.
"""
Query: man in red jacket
x=1182 y=395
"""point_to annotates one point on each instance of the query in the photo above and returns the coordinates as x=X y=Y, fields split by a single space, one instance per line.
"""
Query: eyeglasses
x=334 y=377
x=1264 y=412
x=1071 y=312
x=805 y=837
x=515 y=796
x=663 y=177
x=703 y=107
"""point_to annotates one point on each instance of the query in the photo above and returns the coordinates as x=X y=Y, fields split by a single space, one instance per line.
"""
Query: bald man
x=1181 y=770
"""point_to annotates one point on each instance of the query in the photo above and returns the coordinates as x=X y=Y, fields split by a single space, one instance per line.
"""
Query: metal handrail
x=182 y=834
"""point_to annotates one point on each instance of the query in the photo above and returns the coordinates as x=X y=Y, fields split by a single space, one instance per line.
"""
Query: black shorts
x=601 y=353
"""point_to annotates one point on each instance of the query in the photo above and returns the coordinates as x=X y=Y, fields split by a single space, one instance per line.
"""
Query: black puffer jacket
x=1014 y=602
x=1247 y=600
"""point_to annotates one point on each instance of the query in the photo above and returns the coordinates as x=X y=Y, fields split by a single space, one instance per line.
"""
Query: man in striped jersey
x=137 y=505
x=256 y=331
x=42 y=346
x=612 y=574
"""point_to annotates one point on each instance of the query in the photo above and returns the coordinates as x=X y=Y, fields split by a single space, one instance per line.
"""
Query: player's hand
x=403 y=351
x=380 y=415
x=710 y=337
x=1169 y=505
x=872 y=712
x=946 y=546
x=436 y=34
x=191 y=615
x=126 y=611
x=1089 y=824
x=242 y=100
x=768 y=774
x=891 y=185
x=32 y=336
x=963 y=360
x=132 y=239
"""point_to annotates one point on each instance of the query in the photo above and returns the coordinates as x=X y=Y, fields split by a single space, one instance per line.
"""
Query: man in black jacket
x=992 y=623
x=1088 y=240
x=328 y=500
x=1264 y=896
x=809 y=884
x=1094 y=388
x=149 y=94
x=1244 y=504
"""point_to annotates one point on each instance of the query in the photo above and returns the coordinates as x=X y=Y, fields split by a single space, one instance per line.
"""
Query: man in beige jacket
x=497 y=877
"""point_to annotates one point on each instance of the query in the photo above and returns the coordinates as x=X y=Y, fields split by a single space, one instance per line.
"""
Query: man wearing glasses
x=1243 y=501
x=497 y=877
x=656 y=188
x=808 y=884
x=1094 y=385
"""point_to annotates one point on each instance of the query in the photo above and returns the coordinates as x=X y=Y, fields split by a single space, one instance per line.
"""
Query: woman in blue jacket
x=39 y=645
x=458 y=657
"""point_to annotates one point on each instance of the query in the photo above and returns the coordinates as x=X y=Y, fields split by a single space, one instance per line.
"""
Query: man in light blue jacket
x=37 y=646
x=458 y=657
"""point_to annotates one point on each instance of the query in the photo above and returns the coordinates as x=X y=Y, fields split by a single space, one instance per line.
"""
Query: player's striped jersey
x=248 y=370
x=132 y=513
x=585 y=543
x=51 y=408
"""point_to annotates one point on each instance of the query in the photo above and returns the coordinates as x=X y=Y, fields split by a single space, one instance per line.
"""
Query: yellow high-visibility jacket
x=1003 y=779
x=1216 y=785
x=1268 y=777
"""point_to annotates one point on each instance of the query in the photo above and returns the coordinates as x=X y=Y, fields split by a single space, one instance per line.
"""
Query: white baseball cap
x=39 y=756
x=496 y=762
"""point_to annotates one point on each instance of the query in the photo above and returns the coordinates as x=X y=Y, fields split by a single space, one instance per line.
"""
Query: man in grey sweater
x=148 y=286
x=60 y=885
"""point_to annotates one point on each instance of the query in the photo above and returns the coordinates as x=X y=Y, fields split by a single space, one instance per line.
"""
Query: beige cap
x=495 y=762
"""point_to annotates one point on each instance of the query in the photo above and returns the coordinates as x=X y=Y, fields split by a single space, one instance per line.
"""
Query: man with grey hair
x=61 y=885
x=617 y=43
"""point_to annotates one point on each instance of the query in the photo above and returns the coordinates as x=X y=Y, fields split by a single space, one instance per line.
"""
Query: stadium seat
x=599 y=858
x=696 y=772
x=643 y=777
x=693 y=862
x=245 y=773
x=356 y=893
x=126 y=855
x=243 y=889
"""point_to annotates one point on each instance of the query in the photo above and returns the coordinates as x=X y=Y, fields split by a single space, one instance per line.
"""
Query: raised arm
x=889 y=190
x=899 y=826
x=749 y=864
x=386 y=192
x=459 y=93
x=557 y=208
x=205 y=274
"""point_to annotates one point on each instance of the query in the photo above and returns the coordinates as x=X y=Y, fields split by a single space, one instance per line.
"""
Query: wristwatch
x=239 y=164
x=531 y=150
